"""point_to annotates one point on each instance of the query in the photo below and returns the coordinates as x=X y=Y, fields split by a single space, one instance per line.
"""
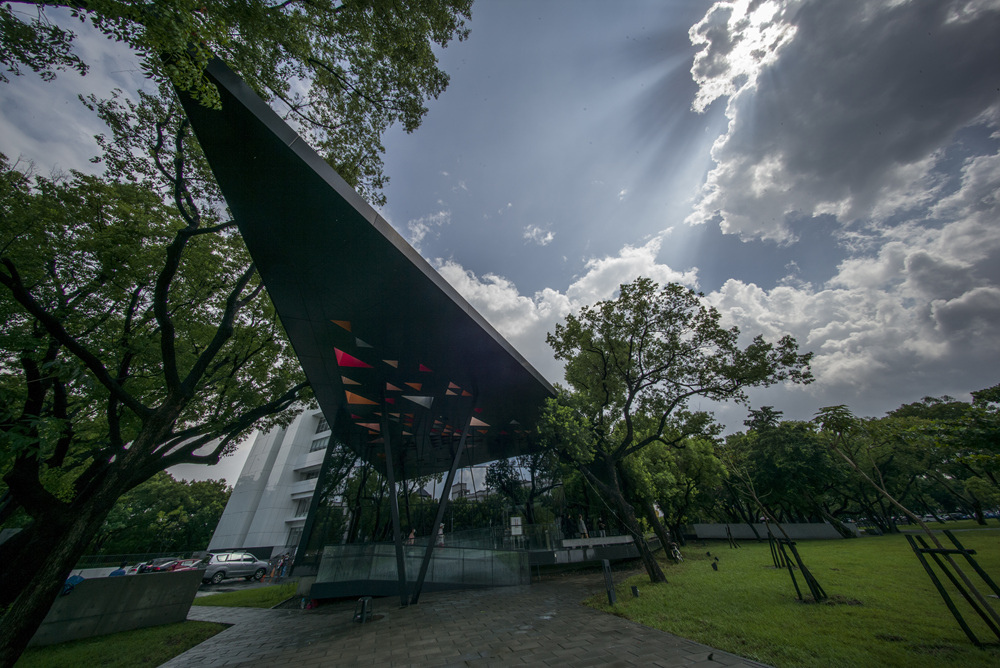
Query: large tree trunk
x=661 y=532
x=627 y=515
x=50 y=550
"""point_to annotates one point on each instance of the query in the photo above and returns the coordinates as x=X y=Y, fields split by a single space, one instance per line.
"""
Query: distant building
x=478 y=495
x=459 y=490
x=271 y=498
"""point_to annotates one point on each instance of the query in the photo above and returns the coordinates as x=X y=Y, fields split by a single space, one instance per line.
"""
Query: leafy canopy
x=634 y=360
x=346 y=70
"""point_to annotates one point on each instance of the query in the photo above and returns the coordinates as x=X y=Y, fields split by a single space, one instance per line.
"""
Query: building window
x=323 y=425
x=294 y=536
x=302 y=507
x=309 y=475
x=319 y=444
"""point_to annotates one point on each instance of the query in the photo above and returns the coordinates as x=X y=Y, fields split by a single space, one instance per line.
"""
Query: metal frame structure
x=413 y=376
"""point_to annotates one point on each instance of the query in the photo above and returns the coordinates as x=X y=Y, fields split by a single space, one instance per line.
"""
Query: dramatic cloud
x=845 y=108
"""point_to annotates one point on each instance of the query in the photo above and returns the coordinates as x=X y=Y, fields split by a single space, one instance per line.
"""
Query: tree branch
x=52 y=325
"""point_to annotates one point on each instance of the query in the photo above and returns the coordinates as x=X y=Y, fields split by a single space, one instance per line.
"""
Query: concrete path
x=541 y=624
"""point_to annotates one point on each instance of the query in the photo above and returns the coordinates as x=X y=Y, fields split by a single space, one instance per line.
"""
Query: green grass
x=884 y=610
x=258 y=597
x=143 y=647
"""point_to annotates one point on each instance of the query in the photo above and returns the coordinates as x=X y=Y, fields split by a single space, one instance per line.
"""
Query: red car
x=187 y=565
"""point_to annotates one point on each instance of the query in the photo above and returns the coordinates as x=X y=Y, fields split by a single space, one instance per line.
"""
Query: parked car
x=153 y=566
x=224 y=565
x=187 y=565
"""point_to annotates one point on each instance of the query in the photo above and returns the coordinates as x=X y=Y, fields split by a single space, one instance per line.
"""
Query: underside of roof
x=391 y=350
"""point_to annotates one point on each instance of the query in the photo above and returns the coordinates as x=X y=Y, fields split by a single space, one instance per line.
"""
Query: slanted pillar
x=442 y=506
x=397 y=535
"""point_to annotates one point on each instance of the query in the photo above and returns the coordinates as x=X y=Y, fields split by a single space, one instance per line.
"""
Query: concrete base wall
x=100 y=606
x=796 y=531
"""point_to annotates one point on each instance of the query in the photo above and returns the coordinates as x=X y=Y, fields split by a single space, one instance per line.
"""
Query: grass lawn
x=258 y=597
x=143 y=647
x=884 y=610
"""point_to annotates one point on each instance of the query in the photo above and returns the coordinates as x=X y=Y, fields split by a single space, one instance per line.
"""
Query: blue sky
x=826 y=170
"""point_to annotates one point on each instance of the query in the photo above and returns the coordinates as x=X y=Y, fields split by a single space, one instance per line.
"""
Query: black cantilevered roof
x=389 y=347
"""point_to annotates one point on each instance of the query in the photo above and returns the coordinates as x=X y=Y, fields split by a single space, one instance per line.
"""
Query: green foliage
x=633 y=363
x=346 y=70
x=35 y=43
x=86 y=352
x=163 y=515
x=648 y=352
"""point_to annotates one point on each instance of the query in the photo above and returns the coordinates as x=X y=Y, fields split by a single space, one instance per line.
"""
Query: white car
x=224 y=565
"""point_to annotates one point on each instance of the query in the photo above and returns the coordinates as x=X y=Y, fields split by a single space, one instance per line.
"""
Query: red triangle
x=425 y=369
x=343 y=359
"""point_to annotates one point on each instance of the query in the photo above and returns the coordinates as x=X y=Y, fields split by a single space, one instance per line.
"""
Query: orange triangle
x=346 y=324
x=476 y=422
x=347 y=381
x=393 y=363
x=453 y=386
x=358 y=399
x=466 y=393
x=415 y=386
x=392 y=388
x=451 y=393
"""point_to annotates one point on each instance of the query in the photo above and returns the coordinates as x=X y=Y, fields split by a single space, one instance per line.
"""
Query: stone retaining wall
x=99 y=606
x=796 y=531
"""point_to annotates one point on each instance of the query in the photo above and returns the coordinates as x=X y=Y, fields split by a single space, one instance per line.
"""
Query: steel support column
x=397 y=536
x=442 y=506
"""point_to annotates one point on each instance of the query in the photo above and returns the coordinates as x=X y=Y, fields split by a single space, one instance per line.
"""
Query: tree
x=635 y=360
x=163 y=515
x=137 y=329
x=696 y=473
x=506 y=476
x=345 y=70
x=137 y=333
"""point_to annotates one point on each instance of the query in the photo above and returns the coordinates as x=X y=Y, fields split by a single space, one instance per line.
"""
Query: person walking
x=582 y=526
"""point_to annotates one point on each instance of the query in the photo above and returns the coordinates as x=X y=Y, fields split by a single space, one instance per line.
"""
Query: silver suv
x=224 y=565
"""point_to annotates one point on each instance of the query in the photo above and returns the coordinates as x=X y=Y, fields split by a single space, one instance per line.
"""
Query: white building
x=271 y=498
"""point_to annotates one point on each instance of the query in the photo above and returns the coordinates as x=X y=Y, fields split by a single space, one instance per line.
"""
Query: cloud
x=845 y=108
x=525 y=319
x=914 y=311
x=537 y=235
x=419 y=228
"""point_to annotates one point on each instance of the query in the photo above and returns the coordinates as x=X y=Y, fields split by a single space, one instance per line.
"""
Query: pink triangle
x=343 y=359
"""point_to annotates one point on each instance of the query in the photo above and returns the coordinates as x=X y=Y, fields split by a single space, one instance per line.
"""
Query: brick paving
x=542 y=624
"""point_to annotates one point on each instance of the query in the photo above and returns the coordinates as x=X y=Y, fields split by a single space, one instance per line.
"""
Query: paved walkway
x=540 y=624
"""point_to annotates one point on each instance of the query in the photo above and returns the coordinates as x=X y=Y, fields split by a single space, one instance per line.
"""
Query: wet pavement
x=539 y=624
